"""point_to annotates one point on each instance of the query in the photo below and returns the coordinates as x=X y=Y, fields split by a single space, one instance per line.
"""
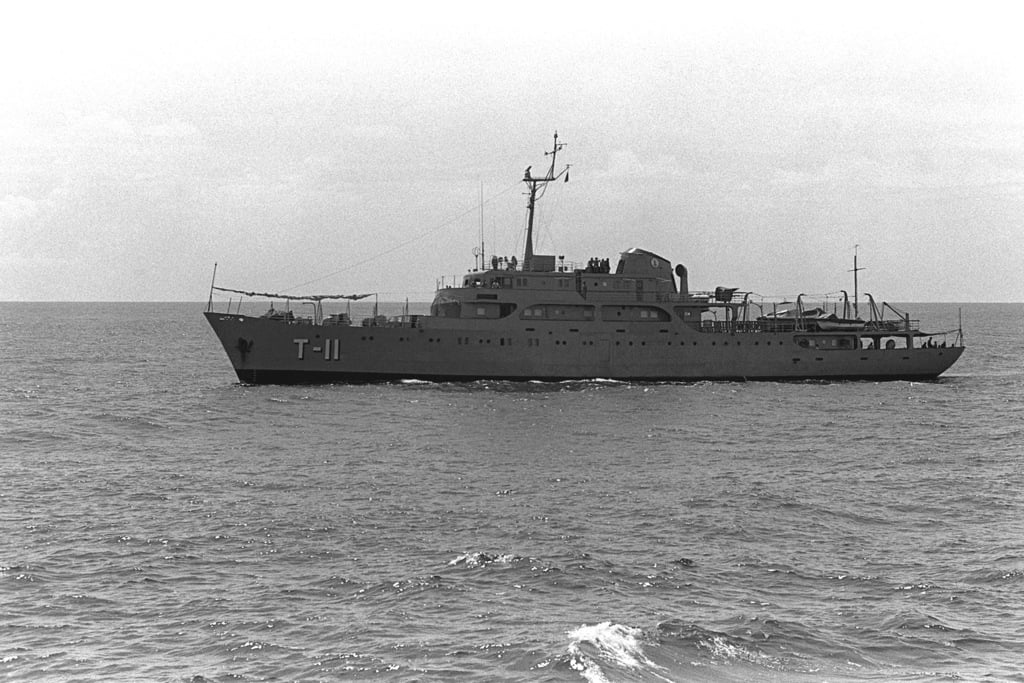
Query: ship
x=548 y=319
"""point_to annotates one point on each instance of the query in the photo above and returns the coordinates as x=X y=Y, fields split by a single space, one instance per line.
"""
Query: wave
x=480 y=559
x=612 y=652
x=676 y=650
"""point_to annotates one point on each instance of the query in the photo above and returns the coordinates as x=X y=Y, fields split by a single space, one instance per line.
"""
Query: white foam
x=481 y=559
x=721 y=648
x=619 y=645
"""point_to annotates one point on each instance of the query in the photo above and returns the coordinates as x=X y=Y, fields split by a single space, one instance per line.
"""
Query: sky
x=331 y=149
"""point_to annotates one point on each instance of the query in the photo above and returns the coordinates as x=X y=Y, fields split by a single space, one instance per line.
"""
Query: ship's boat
x=549 y=319
x=817 y=318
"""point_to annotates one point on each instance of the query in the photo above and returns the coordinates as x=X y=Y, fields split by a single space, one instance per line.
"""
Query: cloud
x=172 y=129
x=14 y=209
x=291 y=142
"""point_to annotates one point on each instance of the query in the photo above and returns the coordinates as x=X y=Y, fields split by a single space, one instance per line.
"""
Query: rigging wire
x=294 y=297
x=547 y=219
x=406 y=243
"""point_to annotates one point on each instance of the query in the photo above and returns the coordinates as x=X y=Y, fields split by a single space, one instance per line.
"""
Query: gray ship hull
x=268 y=351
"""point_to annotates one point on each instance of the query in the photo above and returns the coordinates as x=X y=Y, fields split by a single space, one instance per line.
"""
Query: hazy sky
x=325 y=148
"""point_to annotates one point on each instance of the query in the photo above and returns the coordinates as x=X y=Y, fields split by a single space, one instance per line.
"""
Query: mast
x=209 y=303
x=483 y=252
x=540 y=183
x=855 y=269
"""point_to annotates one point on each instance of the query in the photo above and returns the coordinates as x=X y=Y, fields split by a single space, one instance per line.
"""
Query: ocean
x=161 y=522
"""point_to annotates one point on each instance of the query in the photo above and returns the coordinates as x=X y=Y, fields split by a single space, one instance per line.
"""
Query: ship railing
x=884 y=327
x=794 y=324
x=893 y=326
x=748 y=326
x=393 y=321
x=695 y=297
x=297 y=310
